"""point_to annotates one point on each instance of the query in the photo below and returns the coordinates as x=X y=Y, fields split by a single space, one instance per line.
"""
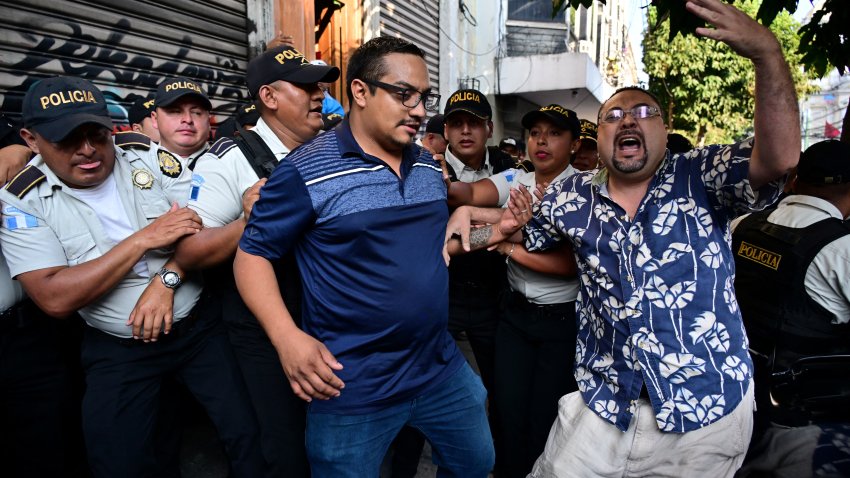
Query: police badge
x=142 y=178
x=169 y=164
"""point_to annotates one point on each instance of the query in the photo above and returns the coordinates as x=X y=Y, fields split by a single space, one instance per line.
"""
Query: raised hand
x=735 y=28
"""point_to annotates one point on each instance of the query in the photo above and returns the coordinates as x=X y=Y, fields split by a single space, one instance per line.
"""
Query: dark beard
x=629 y=167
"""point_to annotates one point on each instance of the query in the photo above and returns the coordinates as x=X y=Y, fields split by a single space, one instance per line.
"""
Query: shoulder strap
x=257 y=152
x=132 y=140
x=500 y=160
x=24 y=181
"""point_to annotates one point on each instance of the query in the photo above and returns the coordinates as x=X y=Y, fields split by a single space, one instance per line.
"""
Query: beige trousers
x=583 y=445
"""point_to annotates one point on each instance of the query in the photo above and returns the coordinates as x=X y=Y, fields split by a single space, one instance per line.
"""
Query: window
x=534 y=11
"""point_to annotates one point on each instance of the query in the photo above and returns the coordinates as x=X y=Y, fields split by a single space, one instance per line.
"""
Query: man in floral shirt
x=661 y=357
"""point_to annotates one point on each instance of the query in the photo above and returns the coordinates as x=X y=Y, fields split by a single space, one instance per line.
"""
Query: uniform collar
x=270 y=138
x=458 y=166
x=813 y=202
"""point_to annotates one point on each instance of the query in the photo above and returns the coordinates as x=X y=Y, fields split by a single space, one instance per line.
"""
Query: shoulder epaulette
x=221 y=147
x=24 y=181
x=132 y=140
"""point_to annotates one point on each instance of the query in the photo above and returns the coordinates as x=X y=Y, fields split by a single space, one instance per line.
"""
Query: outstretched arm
x=776 y=120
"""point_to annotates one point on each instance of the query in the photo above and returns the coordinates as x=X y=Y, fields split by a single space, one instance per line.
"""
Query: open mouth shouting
x=629 y=151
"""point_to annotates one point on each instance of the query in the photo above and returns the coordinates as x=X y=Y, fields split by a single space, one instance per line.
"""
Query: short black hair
x=677 y=143
x=367 y=62
x=631 y=88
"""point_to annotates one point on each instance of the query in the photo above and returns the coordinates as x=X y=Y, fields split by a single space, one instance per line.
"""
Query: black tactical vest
x=800 y=356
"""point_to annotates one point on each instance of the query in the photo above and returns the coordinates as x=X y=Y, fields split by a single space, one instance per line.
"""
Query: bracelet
x=510 y=252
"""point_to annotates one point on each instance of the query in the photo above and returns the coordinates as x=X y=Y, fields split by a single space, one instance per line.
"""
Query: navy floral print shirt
x=657 y=305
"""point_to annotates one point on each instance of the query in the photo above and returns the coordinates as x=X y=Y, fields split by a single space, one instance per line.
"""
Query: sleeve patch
x=14 y=218
x=221 y=147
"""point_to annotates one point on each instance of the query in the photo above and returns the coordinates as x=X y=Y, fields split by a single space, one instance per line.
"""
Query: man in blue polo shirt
x=364 y=210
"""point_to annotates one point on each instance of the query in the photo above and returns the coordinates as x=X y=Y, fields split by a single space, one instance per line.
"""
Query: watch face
x=171 y=278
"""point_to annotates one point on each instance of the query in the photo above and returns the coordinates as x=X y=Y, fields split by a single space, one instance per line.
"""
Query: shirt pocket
x=79 y=248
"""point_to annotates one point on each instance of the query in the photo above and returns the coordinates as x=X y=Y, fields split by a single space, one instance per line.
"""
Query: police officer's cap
x=562 y=117
x=329 y=120
x=54 y=107
x=436 y=125
x=287 y=64
x=588 y=130
x=140 y=109
x=173 y=89
x=247 y=114
x=827 y=162
x=469 y=101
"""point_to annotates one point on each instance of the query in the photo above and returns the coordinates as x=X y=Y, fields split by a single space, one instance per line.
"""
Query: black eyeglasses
x=639 y=112
x=410 y=97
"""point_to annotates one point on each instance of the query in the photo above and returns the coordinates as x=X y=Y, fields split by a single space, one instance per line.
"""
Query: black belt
x=178 y=329
x=542 y=311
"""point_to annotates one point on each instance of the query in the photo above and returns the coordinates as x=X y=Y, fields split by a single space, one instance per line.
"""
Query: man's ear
x=359 y=91
x=489 y=129
x=267 y=97
x=153 y=120
x=29 y=137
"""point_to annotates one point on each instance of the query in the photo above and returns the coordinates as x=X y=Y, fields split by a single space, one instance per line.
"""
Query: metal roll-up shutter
x=125 y=48
x=416 y=21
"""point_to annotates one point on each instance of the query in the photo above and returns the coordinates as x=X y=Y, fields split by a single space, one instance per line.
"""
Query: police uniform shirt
x=219 y=181
x=174 y=175
x=175 y=170
x=538 y=288
x=827 y=277
x=11 y=291
x=49 y=227
x=466 y=174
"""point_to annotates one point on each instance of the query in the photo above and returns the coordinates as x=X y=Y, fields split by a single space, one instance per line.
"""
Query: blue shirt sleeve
x=281 y=215
x=330 y=106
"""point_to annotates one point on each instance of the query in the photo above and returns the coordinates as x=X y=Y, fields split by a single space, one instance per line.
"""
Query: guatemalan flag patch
x=14 y=218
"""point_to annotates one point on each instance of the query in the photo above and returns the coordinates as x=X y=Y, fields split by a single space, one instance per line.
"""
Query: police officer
x=586 y=156
x=86 y=227
x=182 y=118
x=139 y=117
x=476 y=279
x=792 y=265
x=433 y=139
x=224 y=185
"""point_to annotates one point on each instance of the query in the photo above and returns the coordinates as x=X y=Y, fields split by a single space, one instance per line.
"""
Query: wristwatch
x=169 y=278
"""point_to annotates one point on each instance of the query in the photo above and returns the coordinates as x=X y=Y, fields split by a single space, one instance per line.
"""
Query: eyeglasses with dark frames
x=409 y=96
x=639 y=112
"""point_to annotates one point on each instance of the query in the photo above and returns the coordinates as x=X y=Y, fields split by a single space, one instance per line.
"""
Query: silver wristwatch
x=169 y=278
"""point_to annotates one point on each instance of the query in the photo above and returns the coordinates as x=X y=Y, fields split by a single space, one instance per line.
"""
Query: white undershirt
x=106 y=202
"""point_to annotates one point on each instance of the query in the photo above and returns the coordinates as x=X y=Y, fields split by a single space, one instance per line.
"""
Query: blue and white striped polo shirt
x=368 y=244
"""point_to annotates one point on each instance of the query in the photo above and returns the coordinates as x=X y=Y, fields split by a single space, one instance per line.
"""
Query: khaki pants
x=583 y=445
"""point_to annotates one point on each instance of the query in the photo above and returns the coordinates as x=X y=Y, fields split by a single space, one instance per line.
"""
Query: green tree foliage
x=706 y=89
x=825 y=41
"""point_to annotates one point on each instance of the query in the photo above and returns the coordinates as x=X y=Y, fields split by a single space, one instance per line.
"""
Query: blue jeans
x=450 y=415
